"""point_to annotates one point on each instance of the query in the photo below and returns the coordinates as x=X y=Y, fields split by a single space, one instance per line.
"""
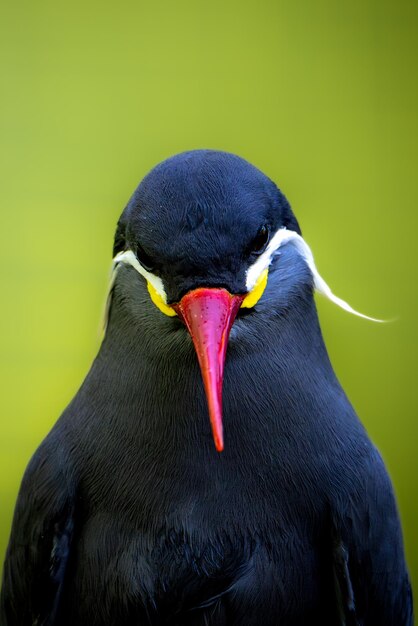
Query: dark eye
x=144 y=258
x=260 y=241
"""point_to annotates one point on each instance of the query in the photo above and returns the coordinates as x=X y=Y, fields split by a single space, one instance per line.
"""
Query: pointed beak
x=208 y=315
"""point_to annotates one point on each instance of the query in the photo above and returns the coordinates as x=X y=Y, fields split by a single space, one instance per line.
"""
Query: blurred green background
x=322 y=96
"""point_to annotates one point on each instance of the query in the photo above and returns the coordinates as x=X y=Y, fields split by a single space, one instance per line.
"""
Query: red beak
x=209 y=315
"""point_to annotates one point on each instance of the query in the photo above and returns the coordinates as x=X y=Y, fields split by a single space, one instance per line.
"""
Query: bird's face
x=199 y=230
x=203 y=230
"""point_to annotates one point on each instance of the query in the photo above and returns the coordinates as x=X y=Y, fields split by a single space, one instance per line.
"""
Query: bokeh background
x=321 y=95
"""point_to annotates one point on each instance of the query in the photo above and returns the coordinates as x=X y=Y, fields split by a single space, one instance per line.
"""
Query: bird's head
x=203 y=229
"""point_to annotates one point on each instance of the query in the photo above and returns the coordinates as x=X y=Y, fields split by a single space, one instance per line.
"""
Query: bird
x=210 y=471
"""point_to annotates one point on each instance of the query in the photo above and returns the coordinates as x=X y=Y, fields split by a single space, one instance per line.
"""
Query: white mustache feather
x=284 y=236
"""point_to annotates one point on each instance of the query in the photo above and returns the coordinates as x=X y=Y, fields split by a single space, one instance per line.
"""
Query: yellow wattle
x=159 y=302
x=249 y=301
x=256 y=292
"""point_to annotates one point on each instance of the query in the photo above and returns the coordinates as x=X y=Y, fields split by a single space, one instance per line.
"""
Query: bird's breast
x=171 y=570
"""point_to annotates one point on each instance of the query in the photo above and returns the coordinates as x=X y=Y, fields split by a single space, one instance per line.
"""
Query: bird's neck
x=154 y=369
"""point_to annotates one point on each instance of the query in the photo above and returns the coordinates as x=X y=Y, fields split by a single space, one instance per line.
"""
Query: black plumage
x=127 y=514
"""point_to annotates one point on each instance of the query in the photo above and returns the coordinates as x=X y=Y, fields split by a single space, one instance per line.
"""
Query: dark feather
x=127 y=515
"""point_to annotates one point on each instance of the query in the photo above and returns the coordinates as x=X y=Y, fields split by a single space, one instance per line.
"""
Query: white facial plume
x=283 y=237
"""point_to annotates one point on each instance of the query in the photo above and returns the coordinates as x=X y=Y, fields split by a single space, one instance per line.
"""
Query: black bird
x=128 y=514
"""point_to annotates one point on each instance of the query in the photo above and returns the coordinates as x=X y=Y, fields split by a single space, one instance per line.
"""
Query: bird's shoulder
x=49 y=480
x=367 y=532
x=38 y=552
